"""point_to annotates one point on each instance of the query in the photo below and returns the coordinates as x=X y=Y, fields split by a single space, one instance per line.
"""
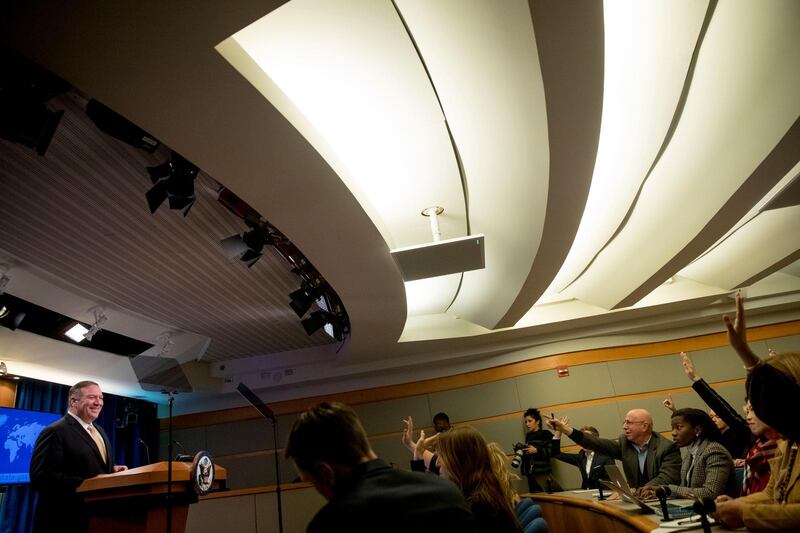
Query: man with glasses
x=647 y=457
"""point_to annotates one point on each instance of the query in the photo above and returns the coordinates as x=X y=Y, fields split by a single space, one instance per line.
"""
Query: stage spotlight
x=249 y=246
x=334 y=325
x=173 y=179
x=314 y=322
x=114 y=124
x=24 y=87
x=303 y=298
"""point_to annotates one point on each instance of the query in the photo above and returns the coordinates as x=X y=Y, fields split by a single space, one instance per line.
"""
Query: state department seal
x=202 y=473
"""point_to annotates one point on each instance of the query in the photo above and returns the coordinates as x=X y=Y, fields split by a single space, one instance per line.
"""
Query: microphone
x=146 y=449
x=662 y=493
x=182 y=457
x=703 y=507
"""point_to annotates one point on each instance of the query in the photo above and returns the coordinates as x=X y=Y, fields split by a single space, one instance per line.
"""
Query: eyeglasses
x=631 y=422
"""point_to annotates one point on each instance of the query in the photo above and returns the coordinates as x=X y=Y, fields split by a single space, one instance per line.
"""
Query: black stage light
x=249 y=246
x=173 y=180
x=315 y=321
x=24 y=87
x=303 y=298
x=334 y=325
x=114 y=124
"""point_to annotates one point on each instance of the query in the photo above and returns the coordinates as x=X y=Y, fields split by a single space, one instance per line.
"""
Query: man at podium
x=68 y=451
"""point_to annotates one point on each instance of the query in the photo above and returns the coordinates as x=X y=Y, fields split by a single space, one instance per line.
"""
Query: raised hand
x=407 y=438
x=688 y=367
x=558 y=425
x=737 y=334
x=669 y=404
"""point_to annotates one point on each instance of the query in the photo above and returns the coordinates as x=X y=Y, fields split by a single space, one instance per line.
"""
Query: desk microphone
x=662 y=493
x=703 y=507
x=182 y=457
x=146 y=449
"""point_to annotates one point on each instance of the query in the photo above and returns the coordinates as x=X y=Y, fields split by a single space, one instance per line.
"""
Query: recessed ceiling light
x=76 y=332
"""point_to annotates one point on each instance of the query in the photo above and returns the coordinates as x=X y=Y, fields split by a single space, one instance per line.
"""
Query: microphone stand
x=171 y=395
x=267 y=413
x=661 y=494
x=703 y=507
x=146 y=449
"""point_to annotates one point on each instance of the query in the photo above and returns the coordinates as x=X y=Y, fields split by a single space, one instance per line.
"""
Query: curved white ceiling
x=743 y=99
x=351 y=143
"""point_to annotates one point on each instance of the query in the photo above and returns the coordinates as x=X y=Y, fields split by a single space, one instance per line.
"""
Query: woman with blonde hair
x=466 y=459
x=500 y=467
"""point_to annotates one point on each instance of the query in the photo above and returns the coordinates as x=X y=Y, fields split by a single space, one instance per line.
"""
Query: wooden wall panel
x=387 y=416
x=223 y=514
x=790 y=343
x=605 y=417
x=8 y=393
x=192 y=439
x=585 y=382
x=299 y=507
x=647 y=374
x=716 y=364
x=477 y=401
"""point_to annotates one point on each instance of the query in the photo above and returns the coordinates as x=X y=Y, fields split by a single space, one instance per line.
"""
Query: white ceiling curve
x=341 y=121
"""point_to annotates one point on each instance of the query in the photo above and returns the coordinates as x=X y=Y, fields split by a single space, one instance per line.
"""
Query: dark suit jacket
x=597 y=472
x=661 y=467
x=64 y=455
x=381 y=498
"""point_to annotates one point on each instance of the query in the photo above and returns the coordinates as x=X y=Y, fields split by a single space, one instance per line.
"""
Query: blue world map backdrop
x=18 y=432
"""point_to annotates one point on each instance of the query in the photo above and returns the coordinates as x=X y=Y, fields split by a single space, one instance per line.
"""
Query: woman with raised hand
x=707 y=468
x=465 y=459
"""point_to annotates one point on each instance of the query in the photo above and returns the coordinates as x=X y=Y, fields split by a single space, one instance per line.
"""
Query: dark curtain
x=128 y=423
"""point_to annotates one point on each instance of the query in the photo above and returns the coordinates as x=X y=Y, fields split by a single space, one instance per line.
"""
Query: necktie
x=98 y=442
x=689 y=470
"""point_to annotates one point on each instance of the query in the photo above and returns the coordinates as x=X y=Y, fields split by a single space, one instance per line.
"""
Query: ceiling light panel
x=352 y=72
x=743 y=99
x=483 y=61
x=352 y=83
x=743 y=255
x=648 y=48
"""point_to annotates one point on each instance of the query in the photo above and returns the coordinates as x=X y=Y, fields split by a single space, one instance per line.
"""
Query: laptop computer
x=619 y=484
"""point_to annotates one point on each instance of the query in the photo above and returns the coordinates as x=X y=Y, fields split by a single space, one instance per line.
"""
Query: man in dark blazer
x=592 y=465
x=330 y=449
x=647 y=457
x=68 y=451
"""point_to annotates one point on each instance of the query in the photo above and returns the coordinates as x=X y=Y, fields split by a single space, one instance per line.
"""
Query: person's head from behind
x=788 y=363
x=499 y=461
x=441 y=422
x=86 y=400
x=465 y=459
x=533 y=419
x=690 y=425
x=326 y=443
x=720 y=423
x=638 y=426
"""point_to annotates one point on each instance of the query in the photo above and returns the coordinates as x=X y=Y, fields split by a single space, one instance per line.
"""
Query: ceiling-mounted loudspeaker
x=440 y=258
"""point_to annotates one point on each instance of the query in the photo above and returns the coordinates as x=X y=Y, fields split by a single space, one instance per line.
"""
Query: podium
x=135 y=501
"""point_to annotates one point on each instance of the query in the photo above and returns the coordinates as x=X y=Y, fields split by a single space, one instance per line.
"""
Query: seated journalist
x=647 y=457
x=707 y=469
x=330 y=449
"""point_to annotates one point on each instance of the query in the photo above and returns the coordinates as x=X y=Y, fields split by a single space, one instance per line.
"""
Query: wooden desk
x=571 y=512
